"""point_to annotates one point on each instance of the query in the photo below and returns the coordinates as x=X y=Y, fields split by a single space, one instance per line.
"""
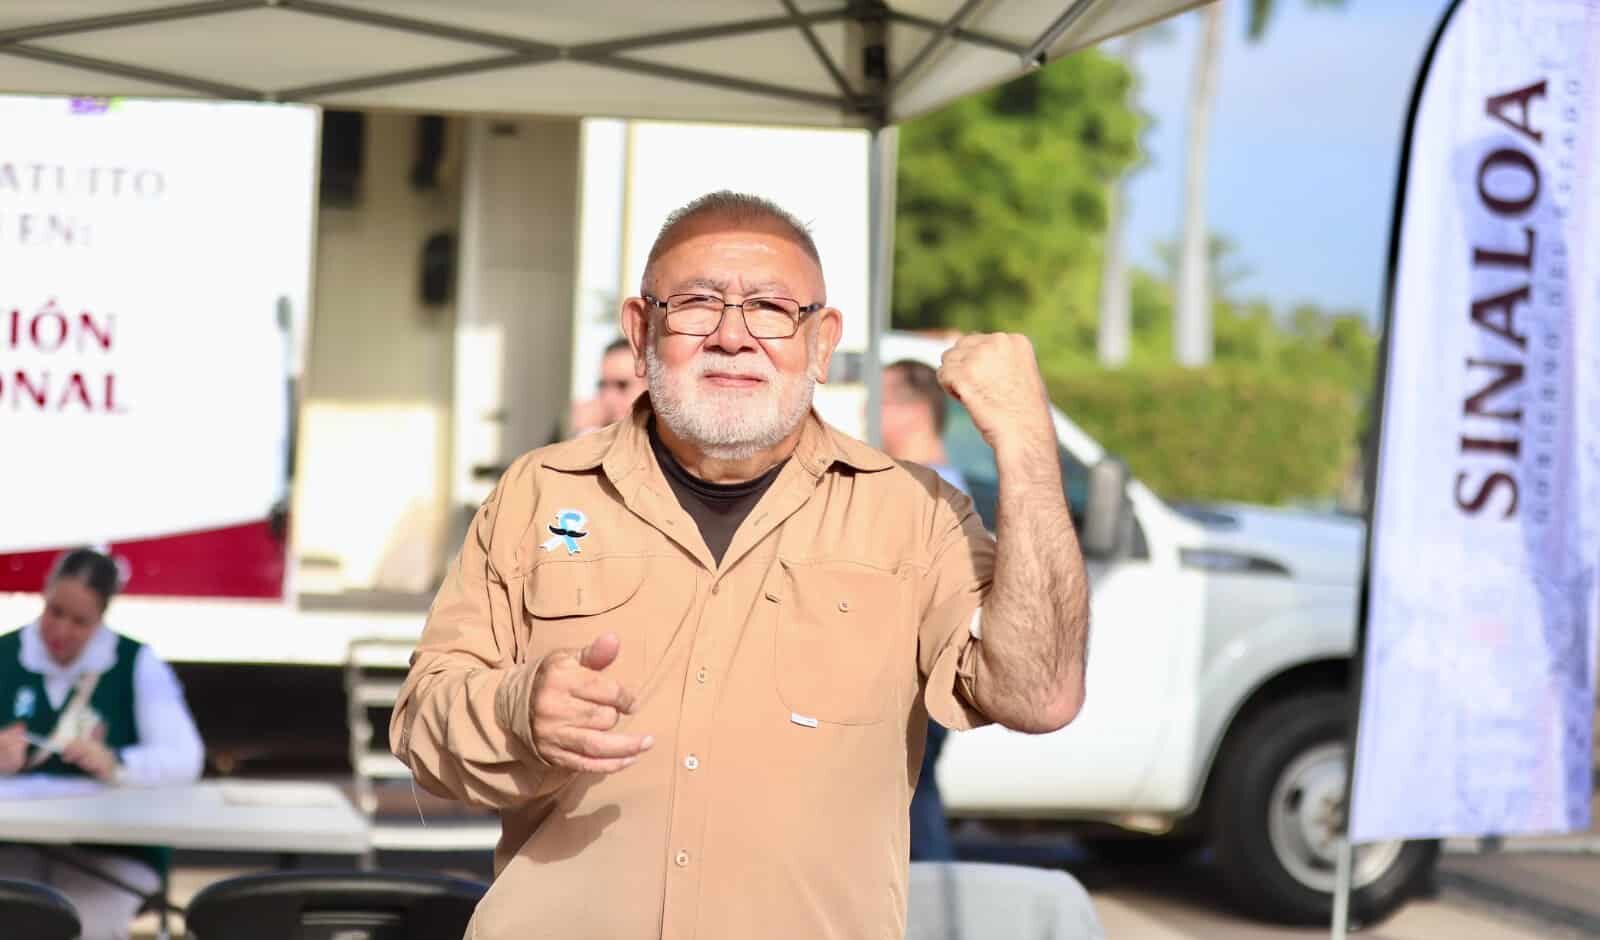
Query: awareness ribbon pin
x=567 y=530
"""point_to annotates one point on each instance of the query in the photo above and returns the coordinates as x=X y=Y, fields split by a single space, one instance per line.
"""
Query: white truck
x=1219 y=661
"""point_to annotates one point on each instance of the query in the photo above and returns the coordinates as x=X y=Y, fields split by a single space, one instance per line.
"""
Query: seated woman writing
x=77 y=699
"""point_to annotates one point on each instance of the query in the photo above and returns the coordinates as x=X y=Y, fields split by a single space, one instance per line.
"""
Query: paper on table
x=45 y=786
x=279 y=793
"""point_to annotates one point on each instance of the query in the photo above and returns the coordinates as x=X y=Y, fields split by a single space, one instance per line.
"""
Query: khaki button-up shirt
x=787 y=690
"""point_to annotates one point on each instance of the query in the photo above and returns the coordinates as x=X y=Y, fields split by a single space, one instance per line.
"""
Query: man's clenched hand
x=996 y=376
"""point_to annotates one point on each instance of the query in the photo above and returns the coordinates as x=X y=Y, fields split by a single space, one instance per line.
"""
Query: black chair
x=37 y=912
x=347 y=905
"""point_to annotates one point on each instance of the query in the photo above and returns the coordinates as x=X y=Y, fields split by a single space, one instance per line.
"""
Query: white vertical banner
x=1477 y=690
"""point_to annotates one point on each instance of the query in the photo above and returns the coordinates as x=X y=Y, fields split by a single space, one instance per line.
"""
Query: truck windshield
x=972 y=457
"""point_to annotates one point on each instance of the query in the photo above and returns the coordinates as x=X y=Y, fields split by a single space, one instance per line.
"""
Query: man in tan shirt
x=690 y=657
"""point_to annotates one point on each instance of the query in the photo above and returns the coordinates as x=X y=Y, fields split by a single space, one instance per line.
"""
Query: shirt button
x=702 y=675
x=692 y=762
x=716 y=587
x=682 y=859
x=844 y=607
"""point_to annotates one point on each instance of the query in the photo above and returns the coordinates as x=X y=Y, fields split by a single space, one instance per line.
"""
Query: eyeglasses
x=764 y=317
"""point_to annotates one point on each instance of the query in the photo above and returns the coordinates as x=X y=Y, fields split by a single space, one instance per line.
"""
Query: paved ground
x=1503 y=896
x=1514 y=894
x=1167 y=905
x=1524 y=890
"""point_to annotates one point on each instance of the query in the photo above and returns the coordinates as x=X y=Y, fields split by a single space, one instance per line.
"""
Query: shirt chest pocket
x=570 y=603
x=838 y=640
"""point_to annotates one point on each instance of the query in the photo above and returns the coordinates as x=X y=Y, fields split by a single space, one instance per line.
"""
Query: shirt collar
x=625 y=446
x=98 y=655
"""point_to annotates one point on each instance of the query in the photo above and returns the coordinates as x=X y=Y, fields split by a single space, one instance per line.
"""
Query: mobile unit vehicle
x=1220 y=651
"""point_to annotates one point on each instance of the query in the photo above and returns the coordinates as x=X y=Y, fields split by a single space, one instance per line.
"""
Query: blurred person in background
x=615 y=392
x=914 y=412
x=79 y=700
x=690 y=658
x=914 y=409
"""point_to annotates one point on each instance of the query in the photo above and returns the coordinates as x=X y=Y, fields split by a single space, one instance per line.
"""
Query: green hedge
x=1223 y=433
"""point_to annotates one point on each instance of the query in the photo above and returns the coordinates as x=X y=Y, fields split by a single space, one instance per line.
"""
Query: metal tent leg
x=880 y=268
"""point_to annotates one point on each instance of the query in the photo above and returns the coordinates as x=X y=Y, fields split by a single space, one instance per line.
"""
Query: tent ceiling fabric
x=794 y=62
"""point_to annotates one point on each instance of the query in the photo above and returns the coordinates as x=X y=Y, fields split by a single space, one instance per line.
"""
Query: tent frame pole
x=882 y=149
x=1035 y=53
x=937 y=40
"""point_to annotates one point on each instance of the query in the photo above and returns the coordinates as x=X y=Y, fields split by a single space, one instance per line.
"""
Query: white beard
x=729 y=424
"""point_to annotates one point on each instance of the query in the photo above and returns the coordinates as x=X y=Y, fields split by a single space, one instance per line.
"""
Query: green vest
x=22 y=698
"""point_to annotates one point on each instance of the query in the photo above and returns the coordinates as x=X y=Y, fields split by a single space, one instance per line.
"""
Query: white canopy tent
x=824 y=63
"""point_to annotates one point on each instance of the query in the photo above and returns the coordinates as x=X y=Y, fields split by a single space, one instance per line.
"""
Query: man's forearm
x=455 y=727
x=1036 y=617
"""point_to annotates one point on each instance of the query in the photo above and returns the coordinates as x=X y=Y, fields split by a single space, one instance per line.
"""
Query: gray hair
x=735 y=207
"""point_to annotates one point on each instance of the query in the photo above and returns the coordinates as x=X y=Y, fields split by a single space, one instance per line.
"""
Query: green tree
x=1002 y=204
x=1277 y=415
x=1222 y=433
x=1223 y=259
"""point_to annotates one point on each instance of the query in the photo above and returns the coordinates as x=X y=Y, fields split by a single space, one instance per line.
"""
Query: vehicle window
x=969 y=454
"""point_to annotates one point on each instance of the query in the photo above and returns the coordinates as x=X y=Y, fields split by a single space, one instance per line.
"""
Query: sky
x=1305 y=144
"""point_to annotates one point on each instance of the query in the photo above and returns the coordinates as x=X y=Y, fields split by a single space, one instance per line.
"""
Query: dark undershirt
x=717 y=508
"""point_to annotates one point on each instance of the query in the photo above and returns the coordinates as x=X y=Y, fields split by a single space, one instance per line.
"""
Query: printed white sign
x=154 y=282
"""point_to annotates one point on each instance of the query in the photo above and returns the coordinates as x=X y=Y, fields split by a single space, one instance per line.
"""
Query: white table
x=287 y=818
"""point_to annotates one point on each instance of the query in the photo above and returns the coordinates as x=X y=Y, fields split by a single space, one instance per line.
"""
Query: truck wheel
x=1276 y=811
